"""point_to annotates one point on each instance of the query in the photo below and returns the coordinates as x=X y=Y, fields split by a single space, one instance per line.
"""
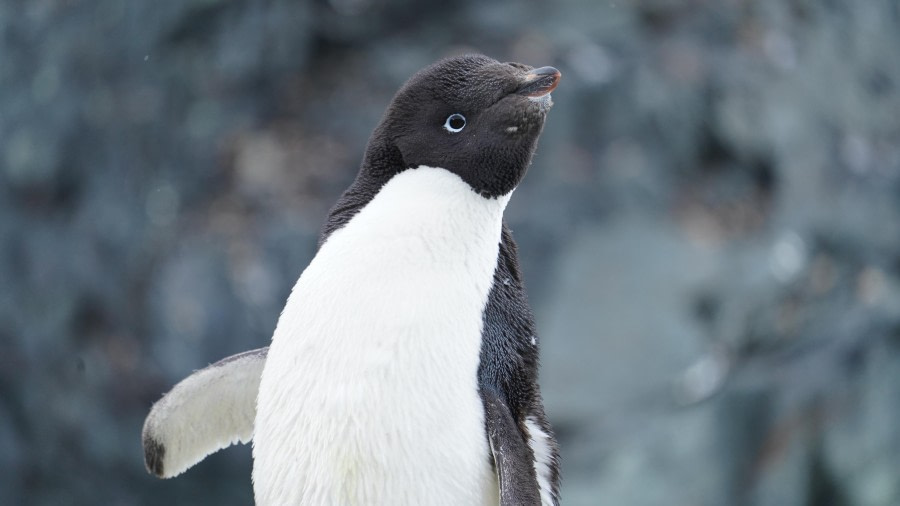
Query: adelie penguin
x=403 y=369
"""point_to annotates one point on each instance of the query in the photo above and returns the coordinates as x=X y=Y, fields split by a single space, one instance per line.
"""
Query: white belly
x=369 y=394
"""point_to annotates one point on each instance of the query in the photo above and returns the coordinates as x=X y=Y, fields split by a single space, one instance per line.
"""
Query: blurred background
x=710 y=231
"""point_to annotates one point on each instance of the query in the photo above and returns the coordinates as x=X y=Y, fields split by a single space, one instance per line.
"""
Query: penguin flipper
x=211 y=409
x=512 y=456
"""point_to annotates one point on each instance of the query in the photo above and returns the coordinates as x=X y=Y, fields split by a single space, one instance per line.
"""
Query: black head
x=471 y=115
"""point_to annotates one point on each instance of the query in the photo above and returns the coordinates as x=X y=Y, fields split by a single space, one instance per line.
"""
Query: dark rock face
x=709 y=232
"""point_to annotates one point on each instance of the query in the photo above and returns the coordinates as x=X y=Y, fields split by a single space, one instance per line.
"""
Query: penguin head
x=471 y=115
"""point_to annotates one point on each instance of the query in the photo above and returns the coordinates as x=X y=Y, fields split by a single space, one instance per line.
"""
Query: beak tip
x=540 y=82
x=546 y=71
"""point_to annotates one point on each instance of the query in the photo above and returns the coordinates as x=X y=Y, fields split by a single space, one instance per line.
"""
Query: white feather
x=370 y=392
x=209 y=410
x=540 y=447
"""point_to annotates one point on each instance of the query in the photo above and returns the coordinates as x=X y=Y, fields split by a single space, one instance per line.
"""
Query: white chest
x=369 y=393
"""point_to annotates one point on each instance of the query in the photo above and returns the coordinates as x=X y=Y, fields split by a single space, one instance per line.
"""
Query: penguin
x=403 y=369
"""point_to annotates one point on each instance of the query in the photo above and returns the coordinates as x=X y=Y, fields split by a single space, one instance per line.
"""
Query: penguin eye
x=455 y=122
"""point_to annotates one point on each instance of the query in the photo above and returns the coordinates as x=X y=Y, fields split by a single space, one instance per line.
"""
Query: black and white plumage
x=403 y=369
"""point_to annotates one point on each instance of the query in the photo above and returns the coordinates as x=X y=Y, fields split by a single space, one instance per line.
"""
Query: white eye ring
x=455 y=123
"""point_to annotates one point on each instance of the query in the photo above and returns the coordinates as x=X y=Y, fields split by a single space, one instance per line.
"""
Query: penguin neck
x=430 y=203
x=381 y=161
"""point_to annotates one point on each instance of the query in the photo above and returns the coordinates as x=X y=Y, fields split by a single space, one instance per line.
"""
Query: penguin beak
x=539 y=82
